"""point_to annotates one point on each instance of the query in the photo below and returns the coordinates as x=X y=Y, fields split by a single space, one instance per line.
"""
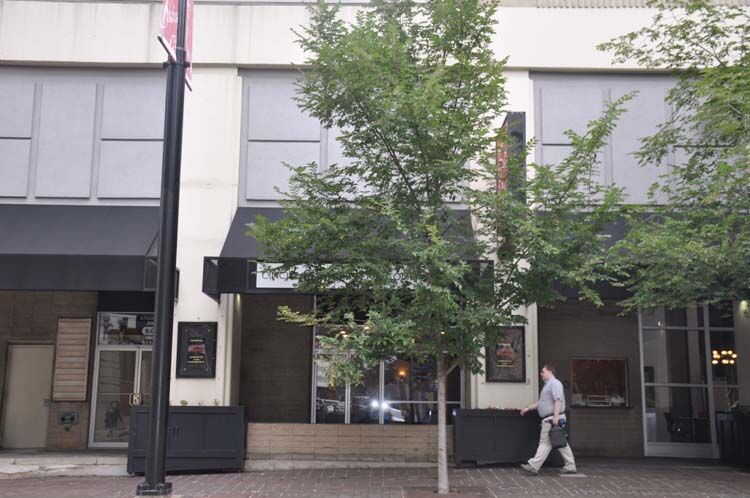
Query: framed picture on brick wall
x=506 y=360
x=599 y=382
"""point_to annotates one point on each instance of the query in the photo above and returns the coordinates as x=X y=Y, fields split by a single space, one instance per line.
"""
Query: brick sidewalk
x=600 y=478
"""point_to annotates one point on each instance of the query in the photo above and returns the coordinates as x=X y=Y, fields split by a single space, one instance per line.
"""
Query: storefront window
x=725 y=398
x=416 y=413
x=330 y=400
x=409 y=394
x=720 y=315
x=675 y=356
x=365 y=404
x=724 y=357
x=666 y=317
x=678 y=415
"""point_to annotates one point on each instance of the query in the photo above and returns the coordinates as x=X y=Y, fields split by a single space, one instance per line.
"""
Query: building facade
x=82 y=97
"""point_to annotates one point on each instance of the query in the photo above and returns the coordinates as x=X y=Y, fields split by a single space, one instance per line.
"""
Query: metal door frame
x=673 y=449
x=138 y=350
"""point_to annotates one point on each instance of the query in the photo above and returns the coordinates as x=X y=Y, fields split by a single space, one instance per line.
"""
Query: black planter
x=497 y=436
x=199 y=438
x=733 y=433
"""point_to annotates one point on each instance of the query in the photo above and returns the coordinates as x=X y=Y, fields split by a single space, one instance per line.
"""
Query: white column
x=208 y=200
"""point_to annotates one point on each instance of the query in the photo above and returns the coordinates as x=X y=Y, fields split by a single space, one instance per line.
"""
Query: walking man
x=551 y=409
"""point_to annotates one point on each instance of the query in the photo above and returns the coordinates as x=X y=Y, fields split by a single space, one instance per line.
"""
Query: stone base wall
x=372 y=443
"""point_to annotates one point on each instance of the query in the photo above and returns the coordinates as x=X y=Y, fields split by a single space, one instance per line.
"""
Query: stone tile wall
x=349 y=442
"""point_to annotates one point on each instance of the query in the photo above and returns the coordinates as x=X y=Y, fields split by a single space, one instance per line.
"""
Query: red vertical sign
x=168 y=34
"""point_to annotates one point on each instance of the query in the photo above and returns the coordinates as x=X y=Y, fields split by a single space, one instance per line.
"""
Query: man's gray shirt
x=552 y=391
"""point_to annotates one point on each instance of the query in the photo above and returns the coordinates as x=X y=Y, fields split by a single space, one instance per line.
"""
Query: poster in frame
x=506 y=360
x=599 y=383
x=196 y=350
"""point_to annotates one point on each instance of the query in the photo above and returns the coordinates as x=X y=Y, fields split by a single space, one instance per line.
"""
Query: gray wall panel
x=66 y=139
x=644 y=114
x=16 y=108
x=130 y=170
x=274 y=115
x=565 y=101
x=275 y=130
x=14 y=167
x=133 y=109
x=555 y=154
x=265 y=168
x=568 y=107
x=335 y=151
x=69 y=116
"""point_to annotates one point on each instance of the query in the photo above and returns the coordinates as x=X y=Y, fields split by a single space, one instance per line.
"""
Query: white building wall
x=249 y=33
x=208 y=199
x=230 y=36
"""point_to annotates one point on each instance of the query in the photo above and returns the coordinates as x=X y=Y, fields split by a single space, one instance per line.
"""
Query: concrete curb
x=17 y=471
x=13 y=466
x=270 y=465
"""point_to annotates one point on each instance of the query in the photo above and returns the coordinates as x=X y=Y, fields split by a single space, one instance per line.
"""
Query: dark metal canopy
x=235 y=270
x=240 y=245
x=80 y=248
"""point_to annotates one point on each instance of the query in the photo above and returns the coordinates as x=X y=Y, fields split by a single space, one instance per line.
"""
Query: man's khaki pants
x=542 y=452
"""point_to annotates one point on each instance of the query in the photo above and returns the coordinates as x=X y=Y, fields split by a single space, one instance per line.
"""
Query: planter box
x=497 y=436
x=199 y=438
x=733 y=434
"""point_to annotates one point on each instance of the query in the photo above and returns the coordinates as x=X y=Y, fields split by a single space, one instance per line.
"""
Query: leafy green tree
x=692 y=244
x=382 y=239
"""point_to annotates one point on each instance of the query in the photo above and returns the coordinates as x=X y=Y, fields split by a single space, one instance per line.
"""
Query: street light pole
x=155 y=480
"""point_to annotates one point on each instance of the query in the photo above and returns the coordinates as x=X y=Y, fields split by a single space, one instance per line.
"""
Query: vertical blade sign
x=168 y=34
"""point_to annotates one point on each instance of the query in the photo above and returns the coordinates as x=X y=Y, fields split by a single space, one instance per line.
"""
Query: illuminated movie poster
x=506 y=362
x=196 y=349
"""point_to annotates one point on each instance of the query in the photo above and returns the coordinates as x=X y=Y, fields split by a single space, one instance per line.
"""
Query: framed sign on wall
x=196 y=350
x=506 y=360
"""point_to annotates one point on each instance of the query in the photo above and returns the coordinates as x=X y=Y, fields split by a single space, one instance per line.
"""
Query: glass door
x=122 y=380
x=686 y=378
x=122 y=375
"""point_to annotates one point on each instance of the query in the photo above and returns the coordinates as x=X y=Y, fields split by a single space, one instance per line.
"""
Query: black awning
x=235 y=270
x=240 y=245
x=53 y=247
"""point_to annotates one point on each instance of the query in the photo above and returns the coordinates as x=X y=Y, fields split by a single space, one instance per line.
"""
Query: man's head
x=548 y=371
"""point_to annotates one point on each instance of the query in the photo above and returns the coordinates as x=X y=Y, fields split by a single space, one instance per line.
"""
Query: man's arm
x=532 y=406
x=556 y=413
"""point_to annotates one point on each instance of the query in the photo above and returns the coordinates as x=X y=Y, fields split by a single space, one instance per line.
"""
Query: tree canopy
x=692 y=244
x=420 y=244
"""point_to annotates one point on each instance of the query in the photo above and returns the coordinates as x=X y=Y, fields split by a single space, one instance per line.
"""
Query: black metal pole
x=155 y=480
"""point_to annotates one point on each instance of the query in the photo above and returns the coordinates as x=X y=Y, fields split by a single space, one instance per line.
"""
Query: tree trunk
x=442 y=459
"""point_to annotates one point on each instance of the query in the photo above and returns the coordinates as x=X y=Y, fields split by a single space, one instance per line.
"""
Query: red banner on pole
x=168 y=34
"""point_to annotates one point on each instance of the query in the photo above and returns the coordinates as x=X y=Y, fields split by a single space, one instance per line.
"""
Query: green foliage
x=418 y=93
x=693 y=243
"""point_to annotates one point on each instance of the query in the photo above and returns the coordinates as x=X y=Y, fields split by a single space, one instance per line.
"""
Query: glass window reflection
x=330 y=400
x=365 y=405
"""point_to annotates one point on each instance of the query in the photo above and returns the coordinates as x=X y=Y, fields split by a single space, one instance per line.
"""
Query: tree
x=417 y=92
x=692 y=244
